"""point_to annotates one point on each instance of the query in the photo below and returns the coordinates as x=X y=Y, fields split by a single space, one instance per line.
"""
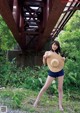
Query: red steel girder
x=8 y=18
x=11 y=4
x=57 y=9
x=68 y=14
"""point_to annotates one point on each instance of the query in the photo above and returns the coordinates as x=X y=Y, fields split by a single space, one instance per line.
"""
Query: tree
x=7 y=40
x=70 y=43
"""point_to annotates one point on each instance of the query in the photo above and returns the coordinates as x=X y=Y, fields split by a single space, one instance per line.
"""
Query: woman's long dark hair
x=58 y=50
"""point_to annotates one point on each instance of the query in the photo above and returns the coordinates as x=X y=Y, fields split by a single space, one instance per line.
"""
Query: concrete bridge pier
x=25 y=59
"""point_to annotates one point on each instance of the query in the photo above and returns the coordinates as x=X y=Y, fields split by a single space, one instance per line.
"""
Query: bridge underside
x=33 y=21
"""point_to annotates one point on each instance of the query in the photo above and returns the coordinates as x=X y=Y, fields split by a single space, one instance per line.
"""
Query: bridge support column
x=16 y=12
x=50 y=5
x=27 y=59
x=11 y=4
x=45 y=13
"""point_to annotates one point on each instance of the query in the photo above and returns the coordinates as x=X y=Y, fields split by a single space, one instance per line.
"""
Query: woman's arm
x=45 y=57
x=44 y=60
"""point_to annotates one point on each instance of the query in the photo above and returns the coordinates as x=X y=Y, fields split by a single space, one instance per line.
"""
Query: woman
x=52 y=76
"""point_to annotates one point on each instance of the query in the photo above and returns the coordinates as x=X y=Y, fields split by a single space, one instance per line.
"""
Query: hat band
x=54 y=63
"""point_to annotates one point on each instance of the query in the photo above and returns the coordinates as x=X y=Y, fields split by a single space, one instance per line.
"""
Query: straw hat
x=55 y=62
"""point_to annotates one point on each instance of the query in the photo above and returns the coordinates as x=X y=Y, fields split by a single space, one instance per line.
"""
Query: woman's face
x=54 y=46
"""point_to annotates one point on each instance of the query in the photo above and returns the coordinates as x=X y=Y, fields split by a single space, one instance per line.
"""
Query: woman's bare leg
x=44 y=88
x=60 y=90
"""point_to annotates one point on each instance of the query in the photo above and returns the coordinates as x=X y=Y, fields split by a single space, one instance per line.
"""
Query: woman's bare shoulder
x=47 y=52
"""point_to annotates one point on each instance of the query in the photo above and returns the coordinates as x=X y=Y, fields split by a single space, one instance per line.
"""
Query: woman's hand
x=64 y=58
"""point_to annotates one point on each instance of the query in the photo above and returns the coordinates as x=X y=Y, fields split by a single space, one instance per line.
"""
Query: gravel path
x=4 y=108
x=16 y=111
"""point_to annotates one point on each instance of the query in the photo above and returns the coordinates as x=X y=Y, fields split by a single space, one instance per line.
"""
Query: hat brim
x=54 y=55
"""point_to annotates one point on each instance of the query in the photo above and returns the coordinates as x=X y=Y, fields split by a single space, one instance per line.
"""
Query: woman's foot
x=61 y=108
x=35 y=104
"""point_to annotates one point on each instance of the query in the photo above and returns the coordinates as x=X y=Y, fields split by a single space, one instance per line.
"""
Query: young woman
x=52 y=76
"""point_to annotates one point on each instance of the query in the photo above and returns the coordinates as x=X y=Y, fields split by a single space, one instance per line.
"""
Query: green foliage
x=30 y=78
x=22 y=100
x=70 y=43
x=74 y=22
x=6 y=38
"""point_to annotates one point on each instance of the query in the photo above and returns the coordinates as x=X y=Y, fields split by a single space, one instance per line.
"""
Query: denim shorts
x=56 y=74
